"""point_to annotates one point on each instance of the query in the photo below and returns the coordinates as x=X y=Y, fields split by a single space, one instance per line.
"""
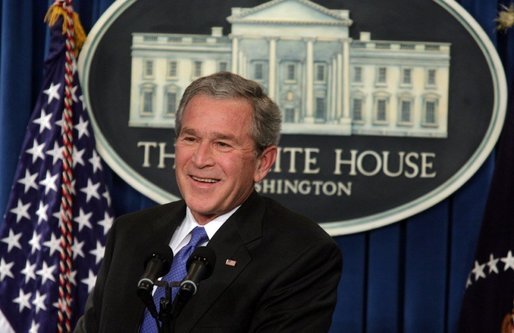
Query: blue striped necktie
x=177 y=273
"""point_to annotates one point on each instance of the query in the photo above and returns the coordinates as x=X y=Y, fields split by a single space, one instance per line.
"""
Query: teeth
x=205 y=180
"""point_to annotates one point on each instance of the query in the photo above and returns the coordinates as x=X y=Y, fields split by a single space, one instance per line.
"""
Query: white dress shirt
x=182 y=234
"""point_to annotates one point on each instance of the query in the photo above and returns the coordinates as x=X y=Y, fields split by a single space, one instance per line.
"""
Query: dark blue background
x=407 y=277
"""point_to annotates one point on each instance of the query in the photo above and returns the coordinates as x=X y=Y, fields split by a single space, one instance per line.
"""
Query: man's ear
x=264 y=163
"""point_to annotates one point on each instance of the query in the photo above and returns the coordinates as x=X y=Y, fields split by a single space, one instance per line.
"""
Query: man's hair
x=226 y=85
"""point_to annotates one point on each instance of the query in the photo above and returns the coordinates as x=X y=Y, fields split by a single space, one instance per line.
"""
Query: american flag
x=30 y=235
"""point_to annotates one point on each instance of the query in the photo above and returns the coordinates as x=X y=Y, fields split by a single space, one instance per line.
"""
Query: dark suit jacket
x=284 y=280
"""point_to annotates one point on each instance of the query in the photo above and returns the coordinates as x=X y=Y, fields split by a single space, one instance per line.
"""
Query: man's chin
x=202 y=214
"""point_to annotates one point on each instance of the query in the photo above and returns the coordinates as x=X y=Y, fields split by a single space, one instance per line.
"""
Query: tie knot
x=198 y=236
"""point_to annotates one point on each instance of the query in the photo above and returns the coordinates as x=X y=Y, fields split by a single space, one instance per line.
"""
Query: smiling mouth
x=205 y=180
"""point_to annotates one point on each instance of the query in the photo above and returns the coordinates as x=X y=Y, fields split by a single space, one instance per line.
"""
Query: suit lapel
x=231 y=245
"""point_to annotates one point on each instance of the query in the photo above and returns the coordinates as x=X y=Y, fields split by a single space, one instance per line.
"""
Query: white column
x=235 y=53
x=240 y=57
x=333 y=90
x=346 y=79
x=340 y=91
x=272 y=74
x=309 y=82
x=346 y=120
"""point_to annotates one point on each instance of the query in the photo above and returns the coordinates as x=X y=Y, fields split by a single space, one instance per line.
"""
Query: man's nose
x=203 y=155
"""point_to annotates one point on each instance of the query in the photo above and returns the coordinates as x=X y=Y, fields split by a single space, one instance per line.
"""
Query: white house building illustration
x=324 y=81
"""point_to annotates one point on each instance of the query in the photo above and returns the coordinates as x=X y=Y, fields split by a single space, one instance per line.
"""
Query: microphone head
x=205 y=255
x=164 y=254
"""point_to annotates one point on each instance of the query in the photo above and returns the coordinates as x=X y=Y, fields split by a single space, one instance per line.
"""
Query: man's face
x=216 y=161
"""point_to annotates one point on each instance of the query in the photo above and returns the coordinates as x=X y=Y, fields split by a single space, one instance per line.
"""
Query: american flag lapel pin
x=230 y=262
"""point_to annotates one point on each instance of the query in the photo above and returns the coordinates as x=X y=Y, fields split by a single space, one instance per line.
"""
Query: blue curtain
x=406 y=277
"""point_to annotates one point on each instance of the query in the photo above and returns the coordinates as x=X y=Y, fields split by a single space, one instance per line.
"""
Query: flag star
x=55 y=152
x=478 y=270
x=58 y=216
x=81 y=98
x=43 y=121
x=49 y=182
x=13 y=240
x=35 y=242
x=83 y=219
x=77 y=156
x=74 y=67
x=508 y=261
x=5 y=269
x=60 y=123
x=89 y=281
x=91 y=190
x=36 y=151
x=23 y=300
x=54 y=244
x=34 y=327
x=42 y=212
x=73 y=277
x=81 y=127
x=106 y=223
x=74 y=94
x=98 y=252
x=58 y=305
x=21 y=210
x=28 y=181
x=469 y=282
x=492 y=264
x=107 y=197
x=96 y=162
x=29 y=271
x=77 y=249
x=53 y=92
x=39 y=302
x=46 y=273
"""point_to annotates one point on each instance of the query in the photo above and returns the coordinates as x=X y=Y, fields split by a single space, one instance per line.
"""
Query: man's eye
x=189 y=139
x=223 y=145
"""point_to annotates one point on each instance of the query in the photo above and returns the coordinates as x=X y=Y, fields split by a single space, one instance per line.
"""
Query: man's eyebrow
x=186 y=130
x=223 y=136
x=213 y=135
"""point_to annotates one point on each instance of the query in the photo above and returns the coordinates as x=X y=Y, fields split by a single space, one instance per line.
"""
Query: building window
x=430 y=114
x=148 y=69
x=320 y=109
x=289 y=115
x=147 y=100
x=357 y=74
x=431 y=77
x=197 y=70
x=258 y=71
x=405 y=111
x=381 y=109
x=320 y=72
x=381 y=114
x=172 y=69
x=407 y=76
x=291 y=72
x=223 y=66
x=382 y=75
x=357 y=109
x=171 y=100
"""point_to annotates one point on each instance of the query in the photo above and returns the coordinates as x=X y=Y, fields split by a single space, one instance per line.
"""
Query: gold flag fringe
x=52 y=16
x=505 y=18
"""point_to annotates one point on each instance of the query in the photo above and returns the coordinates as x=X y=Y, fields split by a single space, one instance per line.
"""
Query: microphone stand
x=165 y=310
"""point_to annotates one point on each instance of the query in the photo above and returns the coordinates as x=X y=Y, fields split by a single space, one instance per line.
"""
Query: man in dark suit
x=275 y=270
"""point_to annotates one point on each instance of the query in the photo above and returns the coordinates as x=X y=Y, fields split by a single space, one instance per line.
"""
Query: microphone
x=157 y=265
x=199 y=267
